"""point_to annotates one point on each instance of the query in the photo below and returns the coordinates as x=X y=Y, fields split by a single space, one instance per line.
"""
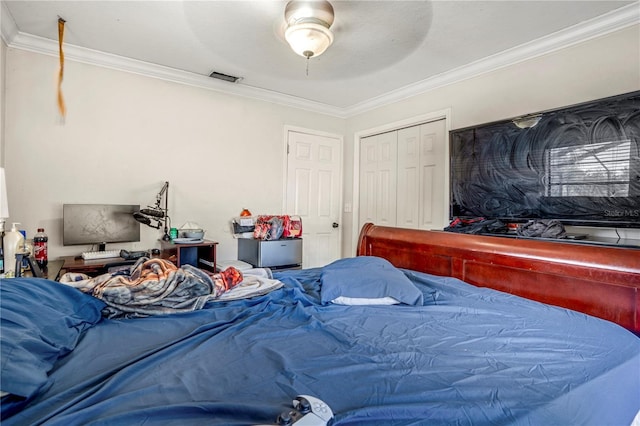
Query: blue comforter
x=469 y=356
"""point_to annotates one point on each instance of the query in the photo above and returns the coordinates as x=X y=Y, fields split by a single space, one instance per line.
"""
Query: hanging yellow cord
x=61 y=106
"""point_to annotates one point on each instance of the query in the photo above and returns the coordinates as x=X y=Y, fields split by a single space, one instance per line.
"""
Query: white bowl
x=193 y=233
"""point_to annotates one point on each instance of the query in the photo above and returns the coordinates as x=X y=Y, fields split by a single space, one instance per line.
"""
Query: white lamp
x=308 y=24
x=4 y=204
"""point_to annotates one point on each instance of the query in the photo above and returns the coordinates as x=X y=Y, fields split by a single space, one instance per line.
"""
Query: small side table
x=201 y=255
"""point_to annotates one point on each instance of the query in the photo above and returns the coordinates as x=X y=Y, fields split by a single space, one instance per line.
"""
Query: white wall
x=3 y=61
x=601 y=67
x=126 y=134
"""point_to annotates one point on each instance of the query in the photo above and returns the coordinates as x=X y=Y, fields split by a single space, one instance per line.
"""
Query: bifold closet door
x=403 y=177
x=378 y=179
x=421 y=184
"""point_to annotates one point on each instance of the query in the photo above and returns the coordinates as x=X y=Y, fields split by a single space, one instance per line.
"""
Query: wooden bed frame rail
x=598 y=280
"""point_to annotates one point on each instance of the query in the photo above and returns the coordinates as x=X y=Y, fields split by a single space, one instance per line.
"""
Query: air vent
x=225 y=77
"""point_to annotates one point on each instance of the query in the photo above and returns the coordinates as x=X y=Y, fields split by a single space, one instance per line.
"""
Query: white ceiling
x=383 y=50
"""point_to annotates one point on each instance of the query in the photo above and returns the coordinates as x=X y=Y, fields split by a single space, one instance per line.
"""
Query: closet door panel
x=433 y=139
x=368 y=181
x=408 y=177
x=378 y=179
x=427 y=178
x=386 y=206
x=387 y=178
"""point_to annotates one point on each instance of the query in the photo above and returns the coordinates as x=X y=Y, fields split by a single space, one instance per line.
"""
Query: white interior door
x=314 y=188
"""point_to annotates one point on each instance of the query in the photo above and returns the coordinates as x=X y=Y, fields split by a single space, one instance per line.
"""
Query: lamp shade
x=4 y=204
x=308 y=39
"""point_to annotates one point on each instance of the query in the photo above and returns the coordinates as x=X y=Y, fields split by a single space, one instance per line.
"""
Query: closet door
x=421 y=176
x=408 y=205
x=378 y=171
x=434 y=199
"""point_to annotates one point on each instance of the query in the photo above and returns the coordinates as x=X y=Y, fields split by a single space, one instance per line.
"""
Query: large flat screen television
x=579 y=164
x=99 y=224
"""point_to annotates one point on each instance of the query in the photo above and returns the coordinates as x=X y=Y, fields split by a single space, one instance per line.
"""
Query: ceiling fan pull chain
x=307 y=66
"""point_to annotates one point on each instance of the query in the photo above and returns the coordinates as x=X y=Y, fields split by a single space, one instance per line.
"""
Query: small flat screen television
x=579 y=164
x=99 y=224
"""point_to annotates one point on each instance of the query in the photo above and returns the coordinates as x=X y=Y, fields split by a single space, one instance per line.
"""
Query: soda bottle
x=40 y=248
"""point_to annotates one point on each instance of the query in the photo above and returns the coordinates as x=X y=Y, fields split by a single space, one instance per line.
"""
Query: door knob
x=335 y=225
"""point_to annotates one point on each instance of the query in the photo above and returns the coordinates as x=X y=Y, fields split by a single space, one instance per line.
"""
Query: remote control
x=308 y=411
x=314 y=411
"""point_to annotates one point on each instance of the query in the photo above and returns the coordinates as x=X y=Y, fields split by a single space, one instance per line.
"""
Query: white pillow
x=355 y=301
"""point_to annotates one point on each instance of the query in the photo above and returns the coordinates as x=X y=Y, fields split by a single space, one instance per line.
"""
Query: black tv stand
x=102 y=247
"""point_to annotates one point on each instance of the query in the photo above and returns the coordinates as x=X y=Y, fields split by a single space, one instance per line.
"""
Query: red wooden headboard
x=597 y=280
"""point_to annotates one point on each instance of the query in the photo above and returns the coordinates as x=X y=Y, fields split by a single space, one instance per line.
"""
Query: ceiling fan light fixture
x=308 y=26
x=308 y=39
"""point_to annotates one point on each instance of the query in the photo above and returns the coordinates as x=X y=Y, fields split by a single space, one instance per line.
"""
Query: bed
x=446 y=352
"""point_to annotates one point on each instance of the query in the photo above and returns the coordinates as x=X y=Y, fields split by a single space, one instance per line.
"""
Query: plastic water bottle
x=13 y=241
x=40 y=248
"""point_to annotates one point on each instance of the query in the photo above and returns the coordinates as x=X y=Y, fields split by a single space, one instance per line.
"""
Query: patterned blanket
x=154 y=287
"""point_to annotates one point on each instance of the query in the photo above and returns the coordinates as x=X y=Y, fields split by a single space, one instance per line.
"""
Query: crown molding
x=8 y=28
x=49 y=47
x=613 y=21
x=597 y=27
